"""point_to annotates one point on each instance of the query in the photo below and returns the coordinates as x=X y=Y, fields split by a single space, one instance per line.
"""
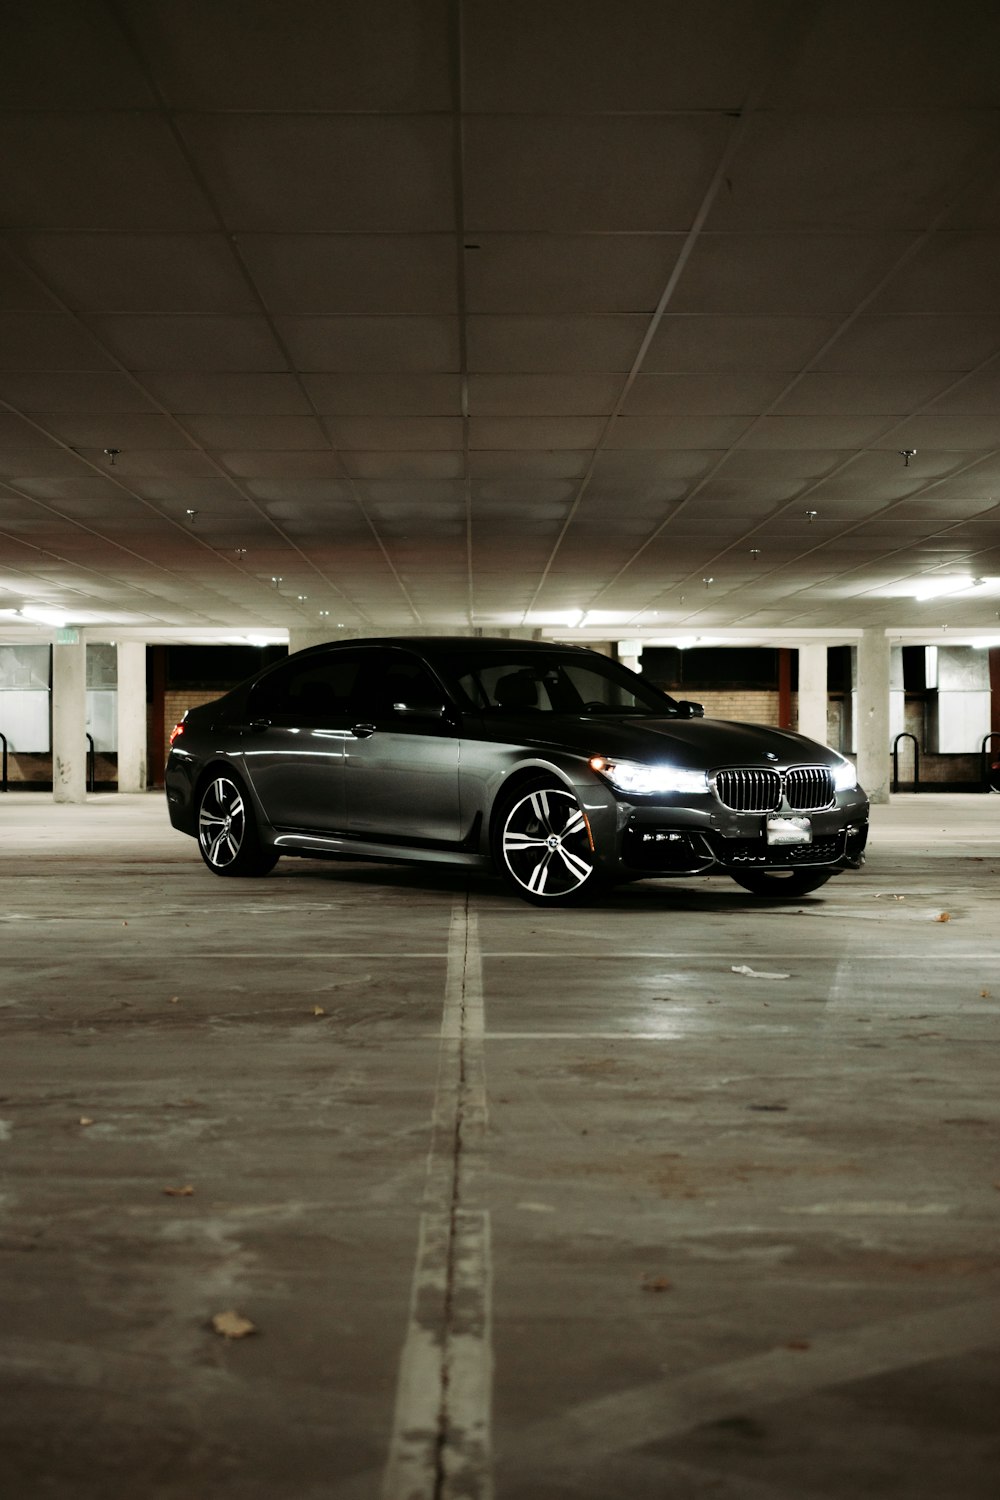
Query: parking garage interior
x=671 y=329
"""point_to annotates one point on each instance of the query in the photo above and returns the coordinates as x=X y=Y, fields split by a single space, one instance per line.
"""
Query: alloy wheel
x=546 y=846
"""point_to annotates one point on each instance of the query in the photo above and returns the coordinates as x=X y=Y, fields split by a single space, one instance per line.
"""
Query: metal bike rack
x=91 y=763
x=984 y=751
x=895 y=761
x=3 y=780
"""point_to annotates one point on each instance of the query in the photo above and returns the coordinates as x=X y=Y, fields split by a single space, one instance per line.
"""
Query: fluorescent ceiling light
x=36 y=615
x=937 y=588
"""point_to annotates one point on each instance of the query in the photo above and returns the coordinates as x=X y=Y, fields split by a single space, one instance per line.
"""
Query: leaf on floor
x=232 y=1325
x=945 y=916
x=318 y=1010
x=657 y=1284
x=187 y=1191
x=86 y=1120
x=757 y=973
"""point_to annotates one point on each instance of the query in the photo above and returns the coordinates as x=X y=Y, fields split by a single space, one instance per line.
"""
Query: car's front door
x=401 y=758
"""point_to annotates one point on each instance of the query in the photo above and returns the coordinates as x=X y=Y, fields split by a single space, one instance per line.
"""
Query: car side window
x=308 y=689
x=396 y=681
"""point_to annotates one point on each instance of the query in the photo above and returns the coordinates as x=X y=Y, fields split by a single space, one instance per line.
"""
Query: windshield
x=535 y=682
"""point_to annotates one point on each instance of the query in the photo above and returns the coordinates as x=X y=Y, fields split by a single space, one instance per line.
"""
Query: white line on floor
x=662 y=1409
x=440 y=1443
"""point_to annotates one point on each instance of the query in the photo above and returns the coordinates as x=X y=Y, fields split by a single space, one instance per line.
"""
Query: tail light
x=177 y=731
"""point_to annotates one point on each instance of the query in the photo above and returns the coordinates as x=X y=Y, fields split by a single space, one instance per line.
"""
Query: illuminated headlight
x=645 y=781
x=845 y=777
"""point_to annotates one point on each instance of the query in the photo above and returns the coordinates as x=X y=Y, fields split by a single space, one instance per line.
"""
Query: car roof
x=428 y=645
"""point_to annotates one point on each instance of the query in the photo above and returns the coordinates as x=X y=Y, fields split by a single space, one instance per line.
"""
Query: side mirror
x=688 y=710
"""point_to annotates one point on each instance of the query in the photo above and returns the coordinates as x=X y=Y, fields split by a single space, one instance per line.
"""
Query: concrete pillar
x=131 y=716
x=69 y=722
x=812 y=693
x=873 y=714
x=630 y=655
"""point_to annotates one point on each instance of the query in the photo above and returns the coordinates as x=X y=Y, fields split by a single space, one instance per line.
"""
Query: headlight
x=845 y=777
x=645 y=781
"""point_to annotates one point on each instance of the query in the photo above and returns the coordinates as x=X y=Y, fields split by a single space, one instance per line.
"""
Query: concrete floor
x=718 y=1235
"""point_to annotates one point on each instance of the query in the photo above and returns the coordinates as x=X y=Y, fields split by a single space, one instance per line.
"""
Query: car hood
x=700 y=744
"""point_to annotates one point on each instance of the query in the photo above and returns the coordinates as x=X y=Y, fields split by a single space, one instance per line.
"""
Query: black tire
x=543 y=845
x=783 y=885
x=228 y=838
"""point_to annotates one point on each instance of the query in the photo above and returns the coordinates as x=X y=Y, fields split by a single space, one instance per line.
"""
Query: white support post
x=812 y=693
x=873 y=714
x=69 y=722
x=131 y=716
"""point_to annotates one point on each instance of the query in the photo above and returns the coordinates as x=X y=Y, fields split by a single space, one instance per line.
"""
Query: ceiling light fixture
x=906 y=454
x=937 y=588
x=113 y=454
x=38 y=615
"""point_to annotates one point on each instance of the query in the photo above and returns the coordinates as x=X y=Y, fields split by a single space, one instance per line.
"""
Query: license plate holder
x=789 y=831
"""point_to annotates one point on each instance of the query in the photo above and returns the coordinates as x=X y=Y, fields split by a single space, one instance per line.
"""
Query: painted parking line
x=582 y=1436
x=440 y=1444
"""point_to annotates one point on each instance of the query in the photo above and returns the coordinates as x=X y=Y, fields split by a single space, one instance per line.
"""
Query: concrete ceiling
x=417 y=314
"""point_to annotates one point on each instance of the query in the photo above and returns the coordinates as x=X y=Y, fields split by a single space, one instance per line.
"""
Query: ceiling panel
x=691 y=55
x=251 y=55
x=96 y=170
x=349 y=274
x=736 y=344
x=539 y=345
x=543 y=395
x=629 y=172
x=395 y=345
x=789 y=275
x=545 y=273
x=870 y=170
x=142 y=273
x=297 y=173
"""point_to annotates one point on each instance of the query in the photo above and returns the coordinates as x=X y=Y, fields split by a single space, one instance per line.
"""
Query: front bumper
x=687 y=841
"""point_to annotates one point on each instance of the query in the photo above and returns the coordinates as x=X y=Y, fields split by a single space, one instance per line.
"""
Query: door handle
x=363 y=731
x=258 y=725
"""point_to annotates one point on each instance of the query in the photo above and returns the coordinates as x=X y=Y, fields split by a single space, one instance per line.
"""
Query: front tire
x=544 y=846
x=228 y=838
x=783 y=885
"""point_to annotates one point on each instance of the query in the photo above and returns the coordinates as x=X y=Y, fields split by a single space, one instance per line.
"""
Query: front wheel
x=227 y=830
x=544 y=845
x=784 y=885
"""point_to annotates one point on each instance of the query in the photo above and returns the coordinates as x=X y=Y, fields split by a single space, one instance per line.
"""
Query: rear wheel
x=228 y=838
x=544 y=845
x=784 y=885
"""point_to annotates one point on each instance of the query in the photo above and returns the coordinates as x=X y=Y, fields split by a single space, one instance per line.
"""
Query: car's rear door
x=298 y=719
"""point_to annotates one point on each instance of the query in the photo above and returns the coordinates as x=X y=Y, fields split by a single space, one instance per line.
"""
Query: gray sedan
x=554 y=764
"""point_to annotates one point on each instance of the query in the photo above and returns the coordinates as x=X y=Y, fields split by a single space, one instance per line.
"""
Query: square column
x=812 y=693
x=873 y=714
x=131 y=716
x=69 y=722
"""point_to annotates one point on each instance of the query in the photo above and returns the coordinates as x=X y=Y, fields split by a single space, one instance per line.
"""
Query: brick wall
x=756 y=707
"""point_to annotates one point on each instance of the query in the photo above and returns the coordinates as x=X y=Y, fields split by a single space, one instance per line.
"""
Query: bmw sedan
x=555 y=765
